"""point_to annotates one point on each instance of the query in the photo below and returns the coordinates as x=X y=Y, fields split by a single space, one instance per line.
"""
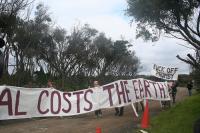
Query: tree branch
x=189 y=36
x=188 y=39
x=192 y=30
x=174 y=36
x=184 y=29
x=197 y=65
x=198 y=23
x=186 y=61
x=192 y=61
x=167 y=27
x=186 y=46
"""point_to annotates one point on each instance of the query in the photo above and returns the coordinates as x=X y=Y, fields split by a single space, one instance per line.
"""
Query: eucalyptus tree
x=126 y=63
x=178 y=18
x=114 y=58
x=68 y=53
x=10 y=10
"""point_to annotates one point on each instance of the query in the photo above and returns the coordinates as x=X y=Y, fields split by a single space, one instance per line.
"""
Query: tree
x=28 y=36
x=66 y=53
x=114 y=59
x=126 y=63
x=178 y=18
x=71 y=58
x=9 y=12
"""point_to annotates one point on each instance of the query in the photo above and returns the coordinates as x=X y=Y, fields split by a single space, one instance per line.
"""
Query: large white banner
x=167 y=73
x=18 y=102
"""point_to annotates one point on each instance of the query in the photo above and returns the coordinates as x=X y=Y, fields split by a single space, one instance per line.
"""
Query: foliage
x=183 y=79
x=196 y=76
x=178 y=18
x=179 y=119
x=72 y=60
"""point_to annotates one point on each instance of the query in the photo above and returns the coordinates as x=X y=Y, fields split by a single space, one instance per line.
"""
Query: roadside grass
x=179 y=119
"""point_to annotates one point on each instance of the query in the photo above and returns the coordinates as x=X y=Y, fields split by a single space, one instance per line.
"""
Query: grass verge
x=178 y=119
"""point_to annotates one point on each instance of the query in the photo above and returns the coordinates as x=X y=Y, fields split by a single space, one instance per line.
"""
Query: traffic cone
x=145 y=117
x=98 y=130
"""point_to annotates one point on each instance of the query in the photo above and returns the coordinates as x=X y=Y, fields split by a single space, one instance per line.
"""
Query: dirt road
x=86 y=123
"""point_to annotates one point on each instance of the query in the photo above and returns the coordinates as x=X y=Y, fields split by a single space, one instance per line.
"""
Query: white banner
x=167 y=73
x=18 y=102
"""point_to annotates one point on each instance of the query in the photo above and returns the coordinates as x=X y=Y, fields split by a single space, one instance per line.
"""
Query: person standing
x=119 y=111
x=98 y=112
x=190 y=86
x=137 y=106
x=174 y=91
x=50 y=84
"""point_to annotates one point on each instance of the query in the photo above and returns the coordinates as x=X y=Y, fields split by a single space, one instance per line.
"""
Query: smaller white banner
x=167 y=73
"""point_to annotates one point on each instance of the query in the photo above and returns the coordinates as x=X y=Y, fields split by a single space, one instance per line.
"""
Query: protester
x=137 y=106
x=119 y=111
x=50 y=84
x=98 y=113
x=174 y=91
x=29 y=85
x=190 y=86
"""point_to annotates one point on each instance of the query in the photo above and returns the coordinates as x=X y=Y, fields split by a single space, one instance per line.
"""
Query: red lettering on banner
x=127 y=91
x=146 y=86
x=65 y=94
x=121 y=93
x=141 y=89
x=167 y=86
x=39 y=102
x=6 y=92
x=154 y=83
x=17 y=105
x=89 y=102
x=162 y=89
x=52 y=101
x=108 y=88
x=135 y=89
x=78 y=93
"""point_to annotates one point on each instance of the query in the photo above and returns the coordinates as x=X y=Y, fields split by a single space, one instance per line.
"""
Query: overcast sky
x=108 y=16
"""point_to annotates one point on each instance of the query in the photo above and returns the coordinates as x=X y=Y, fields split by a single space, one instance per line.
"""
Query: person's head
x=174 y=82
x=96 y=83
x=49 y=83
x=30 y=84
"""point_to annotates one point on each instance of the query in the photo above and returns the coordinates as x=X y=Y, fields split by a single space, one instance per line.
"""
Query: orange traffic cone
x=98 y=130
x=145 y=117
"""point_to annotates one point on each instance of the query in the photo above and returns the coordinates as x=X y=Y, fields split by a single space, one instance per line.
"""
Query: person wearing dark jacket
x=190 y=86
x=137 y=106
x=119 y=111
x=174 y=91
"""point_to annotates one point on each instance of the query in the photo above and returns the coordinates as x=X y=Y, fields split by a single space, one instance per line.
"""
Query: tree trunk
x=63 y=80
x=6 y=59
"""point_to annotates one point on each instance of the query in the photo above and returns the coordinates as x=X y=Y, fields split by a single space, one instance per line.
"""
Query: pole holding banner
x=134 y=110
